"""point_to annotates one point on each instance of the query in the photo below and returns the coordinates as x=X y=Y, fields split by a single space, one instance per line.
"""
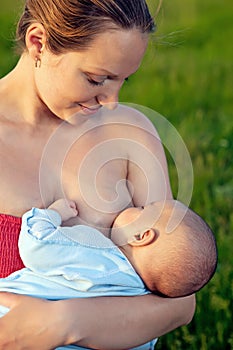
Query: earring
x=37 y=62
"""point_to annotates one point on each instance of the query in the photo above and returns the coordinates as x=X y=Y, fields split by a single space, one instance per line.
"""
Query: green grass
x=187 y=77
x=9 y=12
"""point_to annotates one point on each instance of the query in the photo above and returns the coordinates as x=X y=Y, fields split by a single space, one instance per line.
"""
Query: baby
x=170 y=247
x=165 y=243
x=163 y=248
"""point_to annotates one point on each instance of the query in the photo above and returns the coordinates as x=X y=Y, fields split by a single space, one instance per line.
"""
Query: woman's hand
x=31 y=323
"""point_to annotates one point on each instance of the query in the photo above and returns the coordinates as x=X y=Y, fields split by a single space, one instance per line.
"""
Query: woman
x=62 y=134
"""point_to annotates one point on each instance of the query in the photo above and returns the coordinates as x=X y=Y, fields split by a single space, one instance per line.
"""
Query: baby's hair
x=189 y=259
x=73 y=24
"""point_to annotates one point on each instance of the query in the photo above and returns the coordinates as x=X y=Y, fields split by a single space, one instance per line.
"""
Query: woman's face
x=82 y=82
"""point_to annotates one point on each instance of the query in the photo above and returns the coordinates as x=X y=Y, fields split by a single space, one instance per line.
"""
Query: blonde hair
x=73 y=24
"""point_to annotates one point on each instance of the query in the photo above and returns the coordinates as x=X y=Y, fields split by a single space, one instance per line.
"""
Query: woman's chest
x=89 y=172
x=90 y=168
x=19 y=175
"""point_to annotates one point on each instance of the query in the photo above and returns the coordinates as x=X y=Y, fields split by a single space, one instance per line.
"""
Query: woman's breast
x=101 y=192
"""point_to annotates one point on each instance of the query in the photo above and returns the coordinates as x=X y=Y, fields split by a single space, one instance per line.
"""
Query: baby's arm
x=66 y=208
x=39 y=226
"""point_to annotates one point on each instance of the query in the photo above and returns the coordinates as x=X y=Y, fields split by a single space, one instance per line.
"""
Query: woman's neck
x=20 y=102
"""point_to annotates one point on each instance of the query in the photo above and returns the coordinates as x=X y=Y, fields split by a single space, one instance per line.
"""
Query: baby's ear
x=144 y=238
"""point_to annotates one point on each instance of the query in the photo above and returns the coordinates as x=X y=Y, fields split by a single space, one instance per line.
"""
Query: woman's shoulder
x=126 y=117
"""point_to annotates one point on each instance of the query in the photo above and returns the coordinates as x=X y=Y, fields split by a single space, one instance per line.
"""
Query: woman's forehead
x=116 y=51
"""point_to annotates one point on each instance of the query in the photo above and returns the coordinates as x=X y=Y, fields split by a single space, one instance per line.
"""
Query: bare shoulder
x=127 y=119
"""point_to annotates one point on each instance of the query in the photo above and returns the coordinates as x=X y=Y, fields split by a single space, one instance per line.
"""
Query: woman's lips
x=88 y=110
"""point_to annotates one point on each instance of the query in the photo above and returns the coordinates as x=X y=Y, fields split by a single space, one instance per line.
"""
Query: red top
x=9 y=253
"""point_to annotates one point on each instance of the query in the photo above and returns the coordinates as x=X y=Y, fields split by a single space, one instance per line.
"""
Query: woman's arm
x=100 y=323
x=136 y=320
x=147 y=169
x=31 y=323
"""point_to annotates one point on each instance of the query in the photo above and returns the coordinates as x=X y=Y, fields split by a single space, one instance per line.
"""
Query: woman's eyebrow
x=103 y=72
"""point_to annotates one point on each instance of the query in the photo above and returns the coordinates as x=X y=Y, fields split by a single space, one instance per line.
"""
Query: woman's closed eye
x=94 y=82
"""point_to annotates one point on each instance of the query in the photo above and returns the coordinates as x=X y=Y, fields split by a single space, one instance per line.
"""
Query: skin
x=142 y=233
x=48 y=126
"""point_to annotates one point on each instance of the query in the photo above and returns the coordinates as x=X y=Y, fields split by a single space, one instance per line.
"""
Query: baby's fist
x=65 y=207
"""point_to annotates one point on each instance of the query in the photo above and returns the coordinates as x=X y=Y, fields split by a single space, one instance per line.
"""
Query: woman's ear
x=35 y=40
x=145 y=238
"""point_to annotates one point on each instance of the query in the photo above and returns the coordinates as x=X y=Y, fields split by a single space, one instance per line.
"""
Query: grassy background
x=187 y=77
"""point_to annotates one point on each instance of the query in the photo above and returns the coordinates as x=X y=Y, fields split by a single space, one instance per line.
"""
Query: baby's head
x=170 y=247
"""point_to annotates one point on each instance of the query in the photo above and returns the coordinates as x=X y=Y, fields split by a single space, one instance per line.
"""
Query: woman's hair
x=73 y=24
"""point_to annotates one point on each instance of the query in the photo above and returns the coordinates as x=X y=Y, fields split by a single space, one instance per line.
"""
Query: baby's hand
x=65 y=207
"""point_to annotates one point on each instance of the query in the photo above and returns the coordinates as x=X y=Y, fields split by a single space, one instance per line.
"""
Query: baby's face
x=133 y=221
x=147 y=215
x=128 y=216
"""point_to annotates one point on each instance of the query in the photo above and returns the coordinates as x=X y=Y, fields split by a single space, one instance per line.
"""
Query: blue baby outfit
x=69 y=262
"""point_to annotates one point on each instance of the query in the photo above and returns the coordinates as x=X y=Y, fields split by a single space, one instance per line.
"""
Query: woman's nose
x=109 y=99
